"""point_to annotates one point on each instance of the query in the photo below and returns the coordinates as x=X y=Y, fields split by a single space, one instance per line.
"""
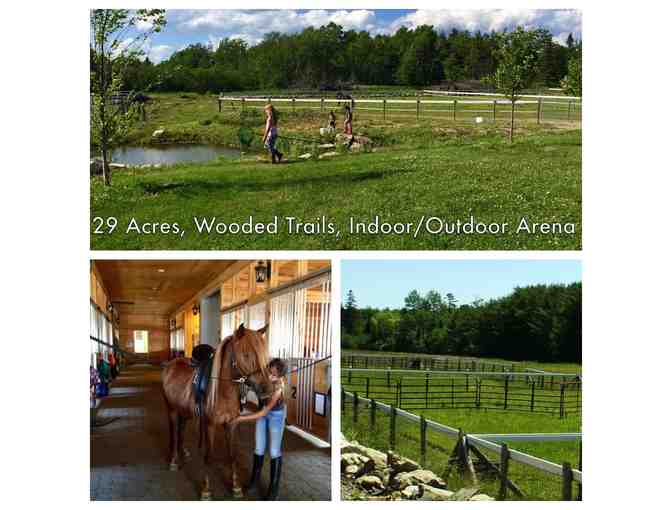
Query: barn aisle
x=129 y=457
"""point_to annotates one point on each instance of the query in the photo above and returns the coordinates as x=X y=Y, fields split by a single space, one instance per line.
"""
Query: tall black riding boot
x=257 y=464
x=274 y=486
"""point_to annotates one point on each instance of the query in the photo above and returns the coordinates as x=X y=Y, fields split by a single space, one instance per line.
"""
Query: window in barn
x=141 y=341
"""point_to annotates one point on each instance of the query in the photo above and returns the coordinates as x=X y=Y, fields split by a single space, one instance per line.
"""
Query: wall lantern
x=262 y=271
x=110 y=307
x=195 y=309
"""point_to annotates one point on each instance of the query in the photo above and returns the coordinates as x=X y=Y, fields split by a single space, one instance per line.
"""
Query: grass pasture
x=475 y=410
x=535 y=484
x=453 y=170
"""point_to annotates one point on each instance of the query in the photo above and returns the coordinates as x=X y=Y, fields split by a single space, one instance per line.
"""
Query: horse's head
x=250 y=350
x=248 y=355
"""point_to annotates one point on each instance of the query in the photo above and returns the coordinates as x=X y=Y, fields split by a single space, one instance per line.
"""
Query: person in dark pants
x=270 y=424
x=271 y=133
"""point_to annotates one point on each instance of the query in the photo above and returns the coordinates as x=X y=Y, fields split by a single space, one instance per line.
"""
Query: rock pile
x=358 y=144
x=374 y=475
x=96 y=166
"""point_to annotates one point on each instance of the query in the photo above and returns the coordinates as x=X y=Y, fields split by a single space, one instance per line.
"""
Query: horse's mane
x=243 y=342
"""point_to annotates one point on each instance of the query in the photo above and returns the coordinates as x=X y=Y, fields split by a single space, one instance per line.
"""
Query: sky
x=385 y=283
x=204 y=26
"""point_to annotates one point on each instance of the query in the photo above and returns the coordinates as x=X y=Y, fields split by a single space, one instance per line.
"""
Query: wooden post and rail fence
x=540 y=392
x=471 y=443
x=559 y=107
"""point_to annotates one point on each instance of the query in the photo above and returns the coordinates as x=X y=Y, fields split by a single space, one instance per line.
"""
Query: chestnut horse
x=240 y=357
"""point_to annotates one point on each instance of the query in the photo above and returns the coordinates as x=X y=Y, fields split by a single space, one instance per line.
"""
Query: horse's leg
x=233 y=459
x=209 y=442
x=206 y=493
x=174 y=440
x=181 y=424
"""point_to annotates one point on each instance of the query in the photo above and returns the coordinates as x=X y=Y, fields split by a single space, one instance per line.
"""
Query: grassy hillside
x=431 y=168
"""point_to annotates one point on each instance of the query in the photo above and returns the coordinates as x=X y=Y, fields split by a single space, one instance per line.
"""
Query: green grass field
x=568 y=368
x=444 y=169
x=535 y=484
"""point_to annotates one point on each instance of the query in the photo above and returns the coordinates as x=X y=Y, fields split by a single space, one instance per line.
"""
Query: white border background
x=626 y=255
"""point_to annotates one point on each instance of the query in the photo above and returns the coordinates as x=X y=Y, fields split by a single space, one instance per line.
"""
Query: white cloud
x=211 y=26
x=252 y=25
x=486 y=20
x=160 y=52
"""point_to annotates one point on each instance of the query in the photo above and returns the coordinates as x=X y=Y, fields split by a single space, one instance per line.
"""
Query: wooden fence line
x=520 y=374
x=450 y=106
x=442 y=392
x=564 y=470
x=535 y=96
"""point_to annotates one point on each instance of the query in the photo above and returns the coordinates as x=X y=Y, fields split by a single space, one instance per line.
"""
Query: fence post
x=532 y=397
x=423 y=441
x=366 y=362
x=372 y=416
x=569 y=110
x=551 y=383
x=368 y=380
x=399 y=388
x=454 y=119
x=562 y=401
x=539 y=111
x=349 y=376
x=579 y=495
x=417 y=109
x=322 y=110
x=242 y=104
x=504 y=456
x=506 y=392
x=219 y=104
x=388 y=377
x=427 y=389
x=355 y=407
x=384 y=109
x=477 y=396
x=494 y=110
x=293 y=105
x=393 y=427
x=466 y=382
x=452 y=391
x=567 y=478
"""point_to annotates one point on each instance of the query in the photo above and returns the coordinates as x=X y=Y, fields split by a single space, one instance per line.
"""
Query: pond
x=171 y=154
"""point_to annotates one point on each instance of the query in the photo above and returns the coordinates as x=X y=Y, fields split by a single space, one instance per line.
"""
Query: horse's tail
x=203 y=422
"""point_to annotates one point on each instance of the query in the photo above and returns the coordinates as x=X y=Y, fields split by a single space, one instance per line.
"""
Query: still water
x=171 y=154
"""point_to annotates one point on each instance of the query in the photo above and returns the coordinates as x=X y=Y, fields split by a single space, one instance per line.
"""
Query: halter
x=242 y=379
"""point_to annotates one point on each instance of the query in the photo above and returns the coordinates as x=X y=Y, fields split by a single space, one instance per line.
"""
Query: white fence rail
x=482 y=440
x=493 y=94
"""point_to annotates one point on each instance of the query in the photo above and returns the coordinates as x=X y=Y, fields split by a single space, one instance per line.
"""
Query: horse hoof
x=237 y=492
x=174 y=466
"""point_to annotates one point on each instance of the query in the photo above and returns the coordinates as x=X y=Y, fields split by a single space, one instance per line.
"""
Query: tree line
x=330 y=57
x=539 y=322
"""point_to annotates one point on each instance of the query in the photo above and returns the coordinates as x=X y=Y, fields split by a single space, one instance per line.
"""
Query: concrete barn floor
x=129 y=457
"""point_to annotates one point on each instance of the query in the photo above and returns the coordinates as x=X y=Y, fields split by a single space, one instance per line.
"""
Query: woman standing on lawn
x=270 y=421
x=271 y=133
x=347 y=123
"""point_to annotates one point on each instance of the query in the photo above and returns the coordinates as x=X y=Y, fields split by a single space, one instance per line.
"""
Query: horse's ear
x=263 y=330
x=240 y=331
